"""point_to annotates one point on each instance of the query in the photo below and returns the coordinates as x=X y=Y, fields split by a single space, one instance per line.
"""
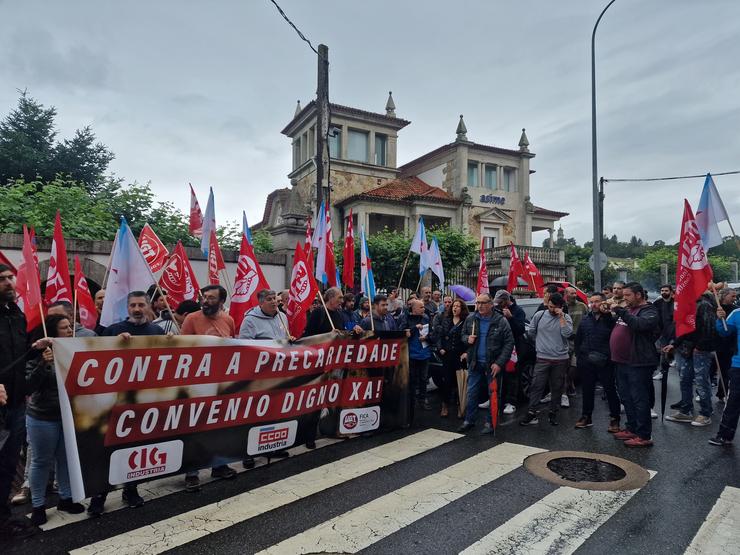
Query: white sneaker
x=701 y=421
x=509 y=409
x=546 y=398
x=697 y=399
x=658 y=375
x=621 y=409
x=653 y=414
x=485 y=405
x=564 y=401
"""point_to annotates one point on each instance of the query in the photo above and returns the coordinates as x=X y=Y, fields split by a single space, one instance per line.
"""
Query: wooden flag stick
x=43 y=321
x=713 y=286
x=719 y=373
x=321 y=298
x=74 y=315
x=403 y=270
x=167 y=304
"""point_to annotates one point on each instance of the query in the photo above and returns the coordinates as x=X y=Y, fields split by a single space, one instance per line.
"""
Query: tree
x=28 y=149
x=262 y=241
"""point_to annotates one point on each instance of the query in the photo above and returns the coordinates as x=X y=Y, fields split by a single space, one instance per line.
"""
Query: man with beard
x=382 y=320
x=665 y=304
x=210 y=320
x=136 y=324
x=13 y=351
x=632 y=349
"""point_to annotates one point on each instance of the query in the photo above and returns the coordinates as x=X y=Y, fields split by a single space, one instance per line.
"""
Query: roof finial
x=297 y=108
x=390 y=106
x=523 y=142
x=461 y=130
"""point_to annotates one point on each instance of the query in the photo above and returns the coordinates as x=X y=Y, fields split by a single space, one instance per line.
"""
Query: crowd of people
x=619 y=340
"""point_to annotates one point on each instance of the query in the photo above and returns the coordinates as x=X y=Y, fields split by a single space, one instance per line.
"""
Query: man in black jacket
x=632 y=347
x=594 y=361
x=14 y=343
x=665 y=304
x=490 y=343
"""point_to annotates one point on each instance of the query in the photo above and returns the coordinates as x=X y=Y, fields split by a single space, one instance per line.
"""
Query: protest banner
x=145 y=407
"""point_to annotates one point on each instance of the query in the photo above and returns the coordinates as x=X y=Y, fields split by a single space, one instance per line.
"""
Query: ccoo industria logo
x=271 y=437
x=136 y=463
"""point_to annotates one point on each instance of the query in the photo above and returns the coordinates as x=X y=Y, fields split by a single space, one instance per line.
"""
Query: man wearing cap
x=505 y=303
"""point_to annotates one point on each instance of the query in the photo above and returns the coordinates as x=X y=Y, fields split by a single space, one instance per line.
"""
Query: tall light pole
x=598 y=232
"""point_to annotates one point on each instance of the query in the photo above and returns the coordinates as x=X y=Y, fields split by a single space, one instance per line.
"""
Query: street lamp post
x=598 y=231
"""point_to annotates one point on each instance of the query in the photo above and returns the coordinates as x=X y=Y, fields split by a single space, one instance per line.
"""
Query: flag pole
x=321 y=298
x=713 y=286
x=403 y=270
x=43 y=321
x=74 y=313
x=719 y=371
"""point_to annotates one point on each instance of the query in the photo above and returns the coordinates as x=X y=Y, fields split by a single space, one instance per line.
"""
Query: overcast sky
x=185 y=91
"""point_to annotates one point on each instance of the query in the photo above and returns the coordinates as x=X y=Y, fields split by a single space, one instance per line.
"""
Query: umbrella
x=465 y=293
x=494 y=403
x=503 y=281
x=462 y=391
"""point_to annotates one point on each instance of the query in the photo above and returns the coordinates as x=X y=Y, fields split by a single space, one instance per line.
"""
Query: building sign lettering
x=492 y=199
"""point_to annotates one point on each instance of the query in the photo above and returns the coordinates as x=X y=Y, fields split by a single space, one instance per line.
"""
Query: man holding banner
x=137 y=324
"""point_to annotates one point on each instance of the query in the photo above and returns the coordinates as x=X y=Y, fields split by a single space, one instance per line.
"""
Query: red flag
x=693 y=273
x=8 y=263
x=348 y=255
x=29 y=288
x=303 y=290
x=178 y=278
x=154 y=251
x=330 y=266
x=516 y=270
x=494 y=404
x=86 y=306
x=196 y=216
x=307 y=248
x=248 y=282
x=215 y=260
x=482 y=287
x=532 y=274
x=58 y=284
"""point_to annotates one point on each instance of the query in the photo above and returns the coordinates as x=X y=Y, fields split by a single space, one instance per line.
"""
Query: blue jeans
x=47 y=441
x=695 y=368
x=634 y=384
x=478 y=375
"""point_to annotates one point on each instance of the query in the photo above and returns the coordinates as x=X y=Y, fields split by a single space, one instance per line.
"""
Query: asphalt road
x=428 y=490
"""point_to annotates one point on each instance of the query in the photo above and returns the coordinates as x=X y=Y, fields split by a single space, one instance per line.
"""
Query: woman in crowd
x=451 y=348
x=44 y=424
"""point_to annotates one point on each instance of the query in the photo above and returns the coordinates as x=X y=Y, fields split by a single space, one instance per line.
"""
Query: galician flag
x=710 y=212
x=367 y=279
x=129 y=271
x=437 y=267
x=209 y=223
x=245 y=227
x=420 y=246
x=325 y=270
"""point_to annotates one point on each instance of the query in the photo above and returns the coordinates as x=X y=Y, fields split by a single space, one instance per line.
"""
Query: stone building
x=481 y=189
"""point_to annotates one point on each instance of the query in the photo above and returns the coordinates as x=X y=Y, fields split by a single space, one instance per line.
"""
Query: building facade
x=482 y=190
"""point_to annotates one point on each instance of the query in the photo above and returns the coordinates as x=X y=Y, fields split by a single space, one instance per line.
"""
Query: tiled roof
x=283 y=195
x=407 y=190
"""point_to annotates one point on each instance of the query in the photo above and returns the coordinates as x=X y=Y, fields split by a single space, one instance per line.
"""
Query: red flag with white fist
x=85 y=303
x=154 y=251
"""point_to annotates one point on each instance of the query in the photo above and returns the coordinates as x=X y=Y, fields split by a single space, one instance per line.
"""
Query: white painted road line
x=720 y=533
x=363 y=526
x=558 y=523
x=167 y=485
x=186 y=527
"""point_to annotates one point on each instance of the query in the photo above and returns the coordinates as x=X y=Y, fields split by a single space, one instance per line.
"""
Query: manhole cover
x=578 y=469
x=592 y=471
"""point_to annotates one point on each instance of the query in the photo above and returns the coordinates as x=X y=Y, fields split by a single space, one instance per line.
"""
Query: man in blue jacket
x=730 y=416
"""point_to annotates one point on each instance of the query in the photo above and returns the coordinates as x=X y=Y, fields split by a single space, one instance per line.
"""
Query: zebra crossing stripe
x=720 y=532
x=558 y=523
x=363 y=526
x=155 y=489
x=187 y=527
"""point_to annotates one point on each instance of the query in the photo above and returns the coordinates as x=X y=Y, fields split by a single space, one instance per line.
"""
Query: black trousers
x=605 y=374
x=732 y=409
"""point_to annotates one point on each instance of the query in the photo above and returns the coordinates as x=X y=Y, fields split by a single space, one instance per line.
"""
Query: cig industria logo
x=135 y=463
